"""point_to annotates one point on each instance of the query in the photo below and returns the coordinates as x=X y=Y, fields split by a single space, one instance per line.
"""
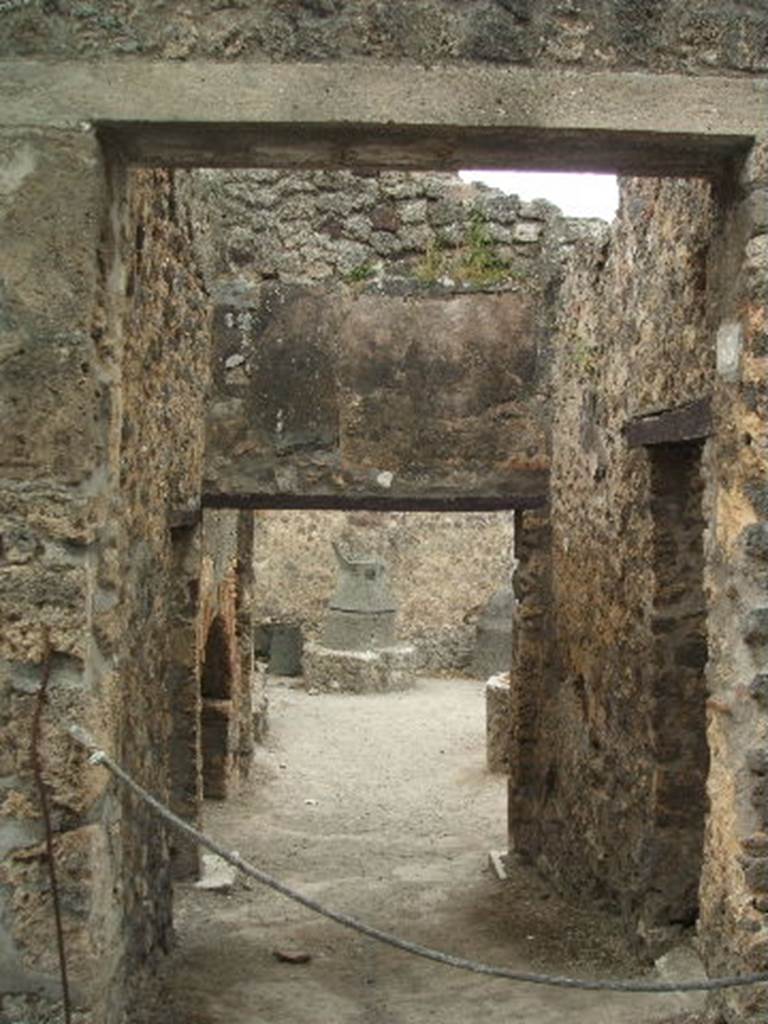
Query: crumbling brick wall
x=210 y=672
x=378 y=335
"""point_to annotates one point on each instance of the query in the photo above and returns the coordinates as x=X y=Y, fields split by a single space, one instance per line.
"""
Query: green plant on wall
x=435 y=263
x=362 y=272
x=474 y=262
x=478 y=262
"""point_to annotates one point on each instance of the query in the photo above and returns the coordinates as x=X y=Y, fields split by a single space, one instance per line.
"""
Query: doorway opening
x=442 y=571
x=406 y=370
x=678 y=687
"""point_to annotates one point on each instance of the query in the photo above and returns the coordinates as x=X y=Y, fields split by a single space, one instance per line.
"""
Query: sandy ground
x=381 y=806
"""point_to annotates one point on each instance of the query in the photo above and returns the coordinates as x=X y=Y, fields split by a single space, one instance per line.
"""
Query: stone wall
x=734 y=876
x=55 y=435
x=174 y=575
x=633 y=338
x=677 y=35
x=641 y=641
x=442 y=569
x=652 y=592
x=381 y=229
x=99 y=549
x=382 y=335
x=163 y=337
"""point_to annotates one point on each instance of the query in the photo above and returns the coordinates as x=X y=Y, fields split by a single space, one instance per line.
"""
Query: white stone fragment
x=527 y=231
x=218 y=875
x=496 y=860
x=385 y=479
x=729 y=341
x=682 y=963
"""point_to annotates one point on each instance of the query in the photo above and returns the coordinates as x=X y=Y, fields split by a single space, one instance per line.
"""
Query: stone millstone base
x=497 y=706
x=389 y=668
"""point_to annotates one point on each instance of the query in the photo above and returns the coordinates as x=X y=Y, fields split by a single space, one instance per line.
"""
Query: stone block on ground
x=218 y=875
x=497 y=706
x=680 y=964
x=285 y=650
x=374 y=671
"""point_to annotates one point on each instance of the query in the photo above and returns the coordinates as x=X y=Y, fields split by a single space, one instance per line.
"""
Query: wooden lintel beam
x=376 y=503
x=689 y=422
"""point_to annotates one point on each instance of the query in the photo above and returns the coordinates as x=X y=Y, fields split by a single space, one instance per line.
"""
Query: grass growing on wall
x=475 y=262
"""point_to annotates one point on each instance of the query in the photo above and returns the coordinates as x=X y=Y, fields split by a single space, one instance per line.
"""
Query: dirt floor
x=381 y=806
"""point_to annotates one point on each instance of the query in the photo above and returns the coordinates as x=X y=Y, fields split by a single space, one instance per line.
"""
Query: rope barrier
x=99 y=757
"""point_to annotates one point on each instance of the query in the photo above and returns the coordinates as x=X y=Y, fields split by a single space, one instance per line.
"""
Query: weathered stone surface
x=756 y=844
x=374 y=671
x=84 y=888
x=48 y=284
x=758 y=688
x=424 y=361
x=754 y=173
x=497 y=724
x=662 y=37
x=756 y=628
x=756 y=874
x=440 y=389
x=756 y=541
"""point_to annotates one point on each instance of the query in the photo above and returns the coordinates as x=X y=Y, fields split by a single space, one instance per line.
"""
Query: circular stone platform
x=372 y=671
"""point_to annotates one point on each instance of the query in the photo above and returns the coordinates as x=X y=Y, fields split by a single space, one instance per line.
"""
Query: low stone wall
x=381 y=670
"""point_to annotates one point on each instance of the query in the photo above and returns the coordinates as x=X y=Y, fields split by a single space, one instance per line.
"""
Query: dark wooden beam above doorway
x=376 y=503
x=689 y=422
